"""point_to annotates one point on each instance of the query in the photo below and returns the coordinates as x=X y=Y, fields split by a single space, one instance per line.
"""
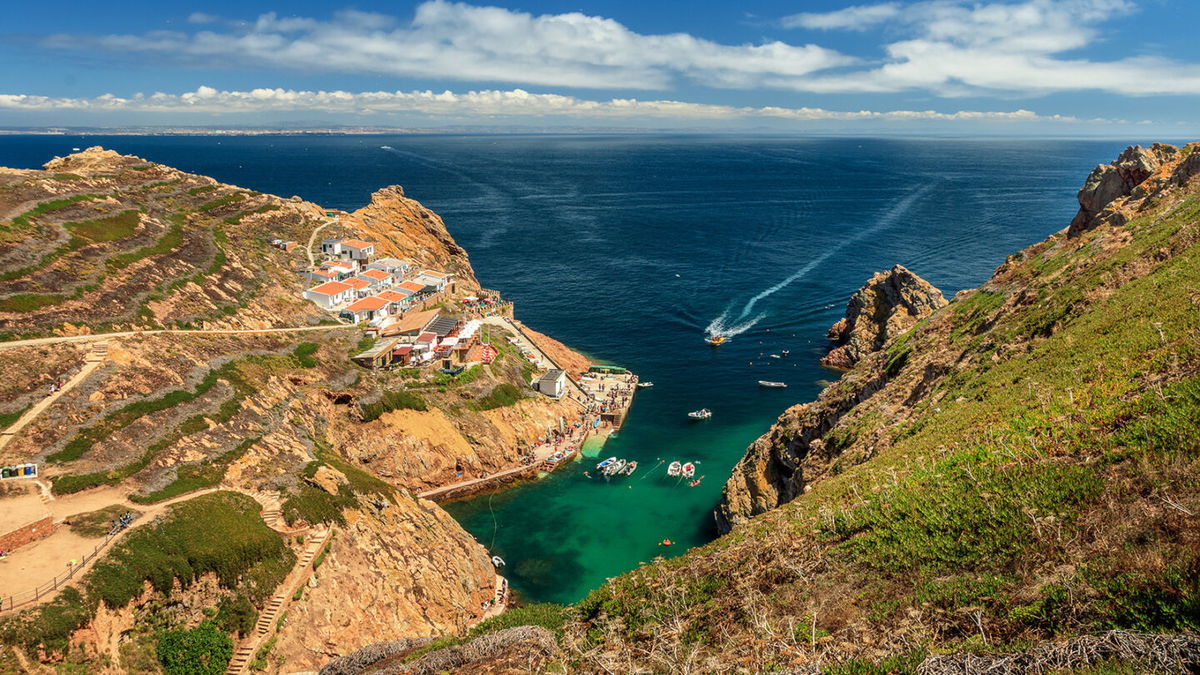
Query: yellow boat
x=717 y=340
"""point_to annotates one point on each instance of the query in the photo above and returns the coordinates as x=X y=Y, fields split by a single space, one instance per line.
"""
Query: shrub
x=392 y=400
x=501 y=395
x=303 y=353
x=203 y=650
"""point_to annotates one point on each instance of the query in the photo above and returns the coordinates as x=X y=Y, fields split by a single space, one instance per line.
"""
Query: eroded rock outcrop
x=1109 y=185
x=394 y=569
x=889 y=304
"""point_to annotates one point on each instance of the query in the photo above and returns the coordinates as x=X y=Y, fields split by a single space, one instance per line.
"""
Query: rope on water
x=495 y=524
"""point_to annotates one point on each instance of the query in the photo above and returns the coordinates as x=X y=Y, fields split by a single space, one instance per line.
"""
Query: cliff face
x=102 y=242
x=394 y=569
x=885 y=307
x=992 y=479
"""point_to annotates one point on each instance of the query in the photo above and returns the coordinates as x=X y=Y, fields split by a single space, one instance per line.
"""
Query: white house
x=356 y=249
x=331 y=246
x=371 y=309
x=330 y=294
x=394 y=266
x=362 y=287
x=321 y=275
x=377 y=278
x=435 y=280
x=343 y=268
x=553 y=383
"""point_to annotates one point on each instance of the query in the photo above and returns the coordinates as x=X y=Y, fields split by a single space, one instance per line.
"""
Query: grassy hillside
x=1022 y=467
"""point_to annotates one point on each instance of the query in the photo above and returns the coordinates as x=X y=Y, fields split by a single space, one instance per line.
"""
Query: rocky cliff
x=294 y=434
x=992 y=489
x=888 y=305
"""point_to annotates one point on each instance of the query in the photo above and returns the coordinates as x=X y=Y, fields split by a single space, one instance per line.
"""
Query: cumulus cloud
x=472 y=43
x=857 y=17
x=489 y=103
x=953 y=47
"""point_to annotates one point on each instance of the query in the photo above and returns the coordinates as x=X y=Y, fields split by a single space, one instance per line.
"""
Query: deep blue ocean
x=629 y=248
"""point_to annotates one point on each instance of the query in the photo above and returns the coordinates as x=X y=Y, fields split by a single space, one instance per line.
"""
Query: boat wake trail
x=728 y=325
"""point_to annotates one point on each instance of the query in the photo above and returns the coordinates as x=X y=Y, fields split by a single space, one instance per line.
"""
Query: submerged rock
x=889 y=304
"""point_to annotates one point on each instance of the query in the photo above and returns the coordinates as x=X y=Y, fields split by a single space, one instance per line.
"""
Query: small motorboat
x=630 y=467
x=606 y=462
x=785 y=352
x=694 y=483
x=674 y=469
x=776 y=356
x=643 y=385
x=497 y=561
x=701 y=414
x=717 y=340
x=776 y=385
x=614 y=467
x=689 y=470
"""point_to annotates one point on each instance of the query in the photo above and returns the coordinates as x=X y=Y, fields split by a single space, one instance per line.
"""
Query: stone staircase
x=99 y=351
x=242 y=657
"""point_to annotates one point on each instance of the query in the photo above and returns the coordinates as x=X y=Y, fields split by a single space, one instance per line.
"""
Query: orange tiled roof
x=392 y=296
x=330 y=288
x=367 y=303
x=376 y=274
x=412 y=286
x=356 y=284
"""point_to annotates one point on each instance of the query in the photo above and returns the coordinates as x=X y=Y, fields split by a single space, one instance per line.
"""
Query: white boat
x=776 y=356
x=785 y=352
x=606 y=462
x=630 y=468
x=701 y=414
x=643 y=385
x=689 y=470
x=615 y=468
x=497 y=561
x=777 y=385
x=674 y=469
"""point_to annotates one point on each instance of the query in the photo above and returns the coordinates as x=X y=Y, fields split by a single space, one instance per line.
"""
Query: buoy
x=665 y=542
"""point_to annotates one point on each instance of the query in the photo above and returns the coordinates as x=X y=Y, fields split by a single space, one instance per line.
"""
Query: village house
x=357 y=250
x=553 y=383
x=331 y=247
x=393 y=266
x=321 y=275
x=330 y=295
x=361 y=288
x=343 y=268
x=435 y=281
x=398 y=302
x=377 y=278
x=379 y=355
x=370 y=309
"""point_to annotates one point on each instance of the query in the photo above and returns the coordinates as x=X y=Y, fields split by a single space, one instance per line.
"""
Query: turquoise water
x=630 y=247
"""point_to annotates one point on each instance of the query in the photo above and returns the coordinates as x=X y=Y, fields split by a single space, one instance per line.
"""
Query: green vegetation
x=22 y=220
x=201 y=189
x=314 y=505
x=222 y=201
x=501 y=395
x=108 y=228
x=167 y=243
x=203 y=650
x=303 y=354
x=548 y=615
x=96 y=524
x=10 y=418
x=197 y=476
x=392 y=400
x=219 y=533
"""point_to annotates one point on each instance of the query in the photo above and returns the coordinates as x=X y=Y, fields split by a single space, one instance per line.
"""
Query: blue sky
x=1070 y=67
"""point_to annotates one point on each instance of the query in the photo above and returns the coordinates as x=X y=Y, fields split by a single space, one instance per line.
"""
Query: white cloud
x=490 y=103
x=946 y=47
x=466 y=42
x=952 y=48
x=857 y=17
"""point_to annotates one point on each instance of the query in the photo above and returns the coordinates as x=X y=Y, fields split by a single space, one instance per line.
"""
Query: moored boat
x=689 y=470
x=606 y=462
x=630 y=468
x=675 y=468
x=768 y=383
x=701 y=414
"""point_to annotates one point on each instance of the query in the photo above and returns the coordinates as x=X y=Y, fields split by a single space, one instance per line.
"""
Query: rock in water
x=889 y=304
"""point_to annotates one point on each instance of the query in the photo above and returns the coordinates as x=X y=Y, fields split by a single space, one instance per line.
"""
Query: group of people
x=120 y=523
x=501 y=596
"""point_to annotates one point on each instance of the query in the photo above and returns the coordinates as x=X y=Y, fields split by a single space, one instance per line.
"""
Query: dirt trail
x=93 y=361
x=175 y=331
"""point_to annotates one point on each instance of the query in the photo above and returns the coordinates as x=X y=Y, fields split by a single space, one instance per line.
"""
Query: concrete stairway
x=242 y=657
